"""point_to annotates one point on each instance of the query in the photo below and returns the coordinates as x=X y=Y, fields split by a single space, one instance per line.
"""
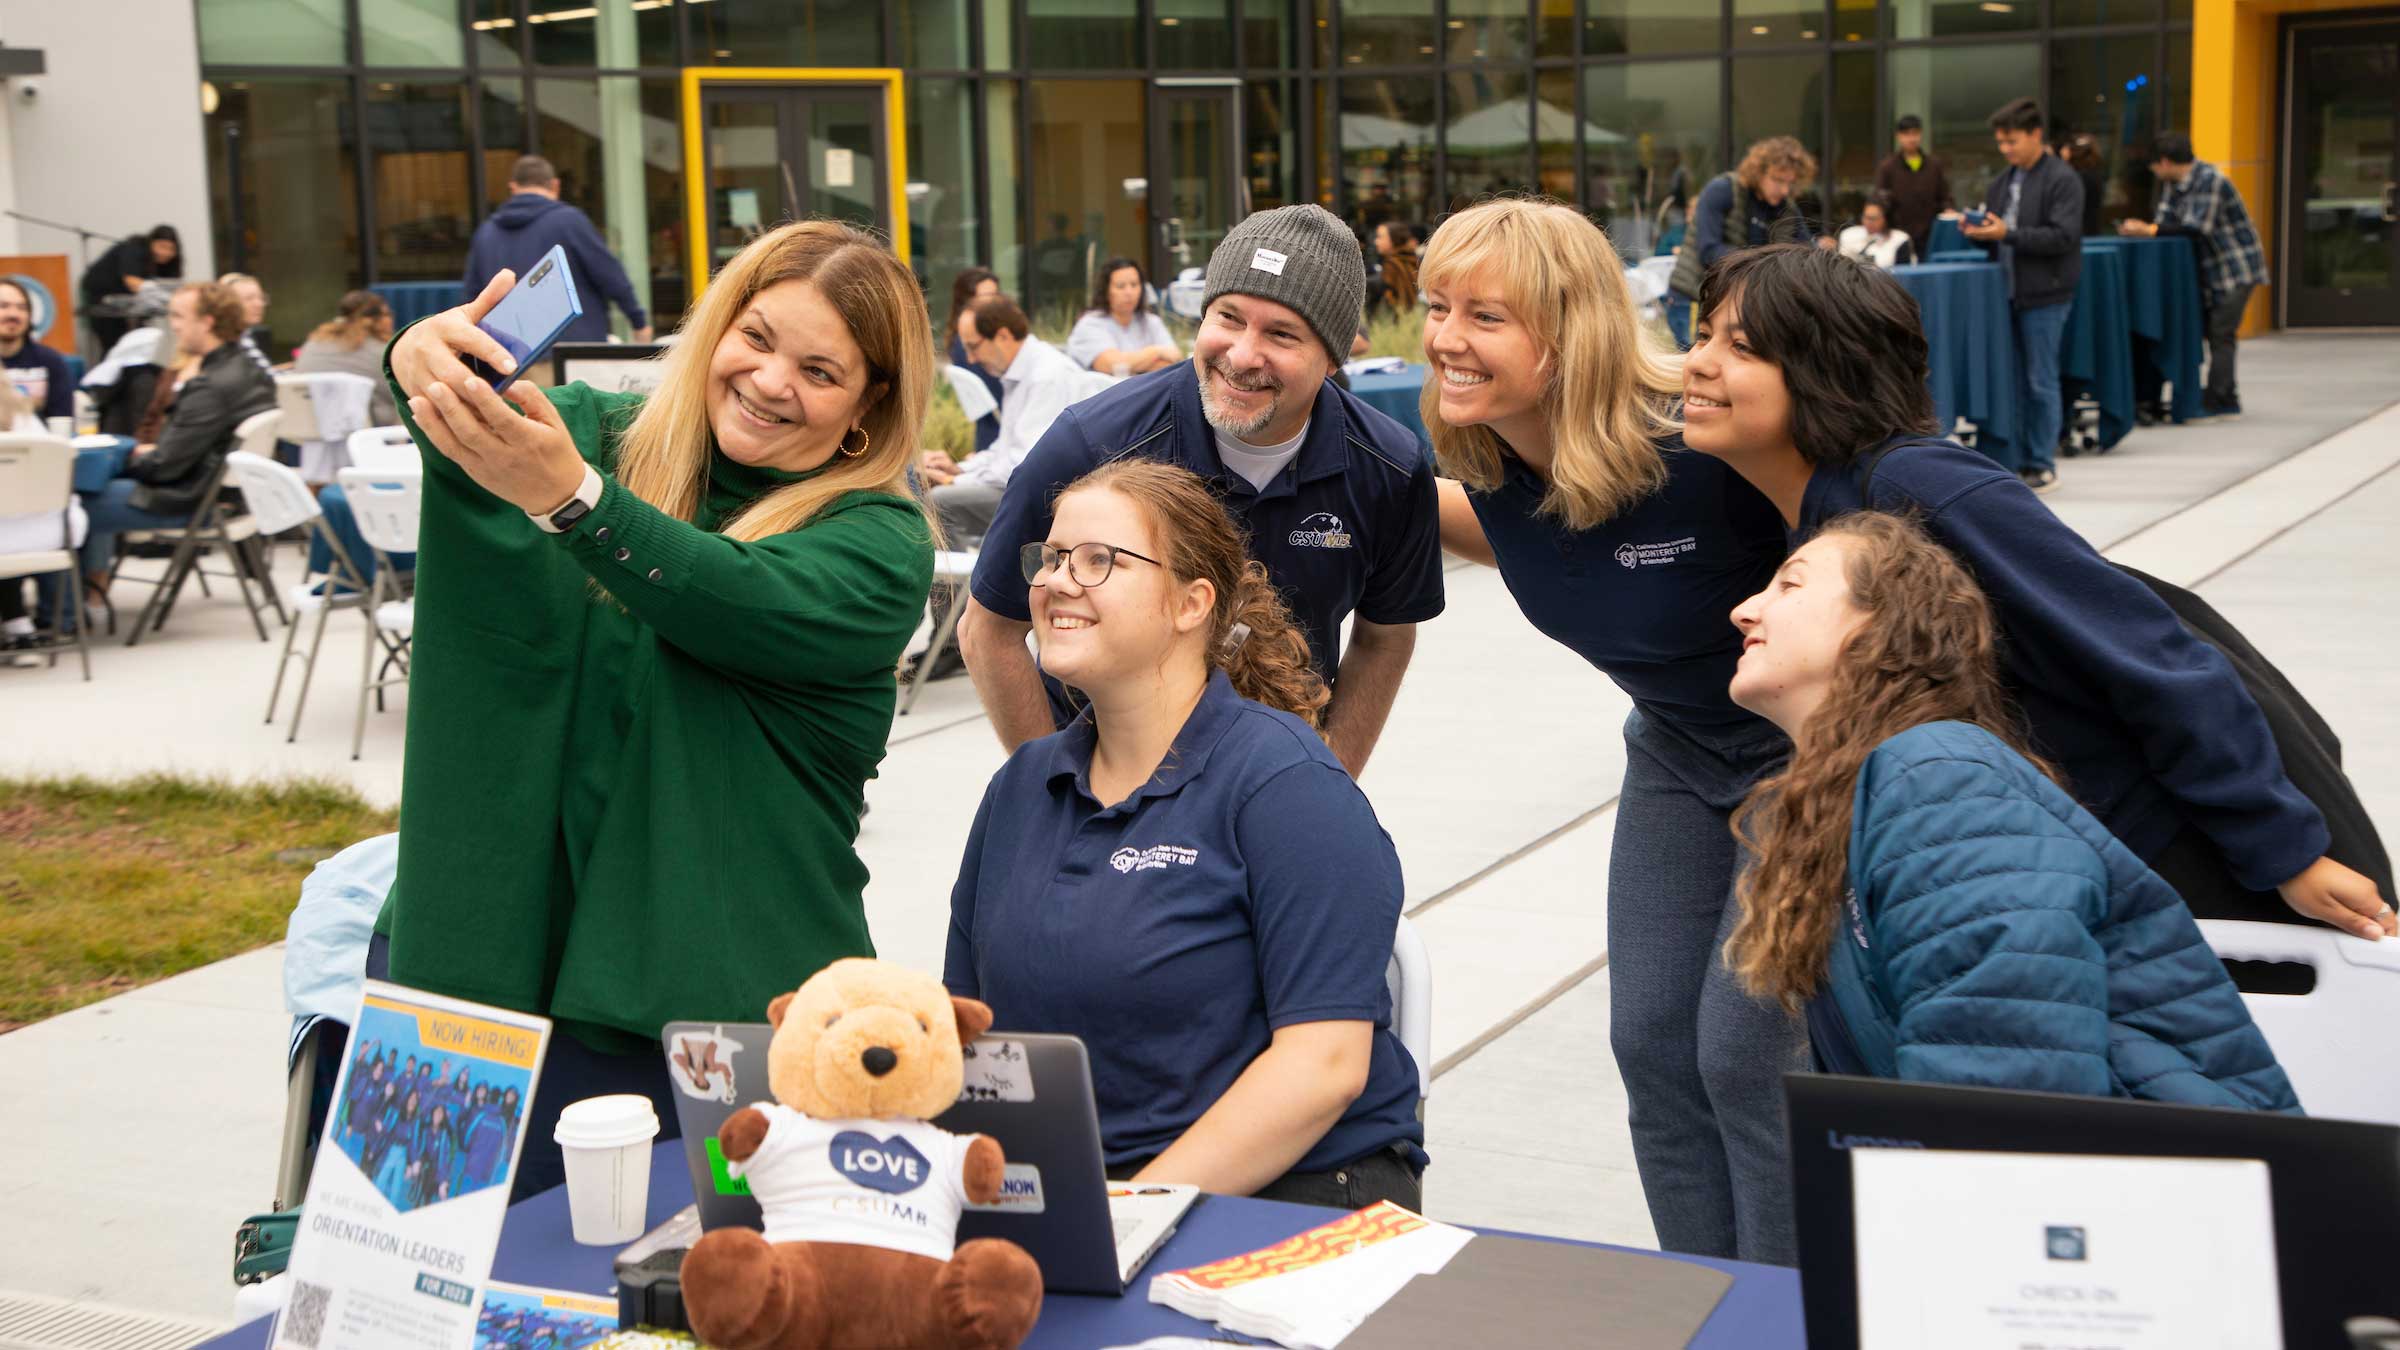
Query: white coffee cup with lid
x=606 y=1144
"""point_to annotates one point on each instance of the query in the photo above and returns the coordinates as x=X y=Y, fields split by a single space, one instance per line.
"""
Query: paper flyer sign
x=2039 y=1251
x=412 y=1175
x=520 y=1317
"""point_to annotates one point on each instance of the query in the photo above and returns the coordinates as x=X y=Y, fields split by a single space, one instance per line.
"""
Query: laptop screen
x=2335 y=1183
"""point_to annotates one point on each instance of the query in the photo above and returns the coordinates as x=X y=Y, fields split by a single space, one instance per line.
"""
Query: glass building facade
x=359 y=142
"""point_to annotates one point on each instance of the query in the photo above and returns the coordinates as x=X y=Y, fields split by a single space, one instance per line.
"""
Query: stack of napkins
x=1312 y=1290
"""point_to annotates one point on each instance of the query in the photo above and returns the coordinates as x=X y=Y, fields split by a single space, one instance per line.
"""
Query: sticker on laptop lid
x=1020 y=1191
x=702 y=1062
x=996 y=1071
x=1267 y=260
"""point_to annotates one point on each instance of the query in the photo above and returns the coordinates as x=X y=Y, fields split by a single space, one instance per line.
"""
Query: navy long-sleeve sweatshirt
x=2152 y=726
x=524 y=228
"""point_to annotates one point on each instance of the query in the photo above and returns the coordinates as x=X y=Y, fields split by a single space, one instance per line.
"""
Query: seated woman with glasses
x=1185 y=877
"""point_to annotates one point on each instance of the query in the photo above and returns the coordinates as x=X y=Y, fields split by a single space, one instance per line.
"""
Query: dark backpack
x=2312 y=754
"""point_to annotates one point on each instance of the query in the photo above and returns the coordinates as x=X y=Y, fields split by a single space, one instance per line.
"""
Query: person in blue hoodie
x=1924 y=888
x=527 y=225
x=1807 y=378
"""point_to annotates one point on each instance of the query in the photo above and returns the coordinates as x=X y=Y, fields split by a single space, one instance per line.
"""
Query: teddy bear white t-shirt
x=878 y=1183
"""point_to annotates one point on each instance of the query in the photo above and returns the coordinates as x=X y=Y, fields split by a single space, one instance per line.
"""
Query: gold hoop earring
x=864 y=440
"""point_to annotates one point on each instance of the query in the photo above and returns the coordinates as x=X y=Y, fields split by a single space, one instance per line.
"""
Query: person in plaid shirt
x=2204 y=206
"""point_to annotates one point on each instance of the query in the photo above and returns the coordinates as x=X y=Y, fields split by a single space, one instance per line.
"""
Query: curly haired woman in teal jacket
x=1942 y=909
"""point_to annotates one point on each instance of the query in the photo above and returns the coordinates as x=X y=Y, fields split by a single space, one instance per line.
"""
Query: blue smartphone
x=534 y=313
x=1975 y=217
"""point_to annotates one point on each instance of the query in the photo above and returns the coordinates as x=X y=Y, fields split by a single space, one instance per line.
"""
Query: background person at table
x=1873 y=239
x=1556 y=414
x=2034 y=226
x=1120 y=334
x=2199 y=203
x=121 y=271
x=352 y=343
x=1392 y=283
x=681 y=613
x=1818 y=362
x=161 y=484
x=529 y=224
x=1186 y=878
x=1750 y=206
x=254 y=339
x=1338 y=498
x=1038 y=381
x=1942 y=908
x=969 y=286
x=1914 y=181
x=39 y=374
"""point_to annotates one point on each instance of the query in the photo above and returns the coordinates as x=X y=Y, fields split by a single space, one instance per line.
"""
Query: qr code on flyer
x=304 y=1320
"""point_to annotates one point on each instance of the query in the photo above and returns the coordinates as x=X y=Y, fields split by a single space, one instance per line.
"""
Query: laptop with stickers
x=1030 y=1091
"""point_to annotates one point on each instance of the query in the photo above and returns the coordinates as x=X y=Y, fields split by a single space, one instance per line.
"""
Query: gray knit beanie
x=1302 y=256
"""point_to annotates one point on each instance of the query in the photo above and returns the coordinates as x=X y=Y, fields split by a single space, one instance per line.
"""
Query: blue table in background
x=1760 y=1311
x=1395 y=396
x=413 y=300
x=1964 y=309
x=1946 y=237
x=2097 y=353
x=2162 y=305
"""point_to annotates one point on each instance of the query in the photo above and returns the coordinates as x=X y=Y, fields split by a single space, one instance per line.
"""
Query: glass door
x=2342 y=259
x=1196 y=190
x=772 y=153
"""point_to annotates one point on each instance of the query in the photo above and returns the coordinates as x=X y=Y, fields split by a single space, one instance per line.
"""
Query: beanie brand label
x=1267 y=260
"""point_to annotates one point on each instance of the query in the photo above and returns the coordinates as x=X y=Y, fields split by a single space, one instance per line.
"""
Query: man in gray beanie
x=1337 y=499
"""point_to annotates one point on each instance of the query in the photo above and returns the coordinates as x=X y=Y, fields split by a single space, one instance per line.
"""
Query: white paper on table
x=1321 y=1304
x=2042 y=1251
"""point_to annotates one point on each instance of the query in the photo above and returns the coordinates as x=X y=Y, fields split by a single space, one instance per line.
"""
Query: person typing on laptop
x=1185 y=877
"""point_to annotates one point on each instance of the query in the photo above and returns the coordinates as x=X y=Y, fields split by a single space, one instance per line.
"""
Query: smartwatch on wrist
x=585 y=500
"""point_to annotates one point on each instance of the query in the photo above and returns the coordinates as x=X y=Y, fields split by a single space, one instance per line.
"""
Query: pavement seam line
x=1508 y=859
x=1515 y=1019
x=2353 y=490
x=2244 y=481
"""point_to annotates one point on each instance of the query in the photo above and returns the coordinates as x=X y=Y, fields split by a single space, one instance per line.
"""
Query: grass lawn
x=108 y=886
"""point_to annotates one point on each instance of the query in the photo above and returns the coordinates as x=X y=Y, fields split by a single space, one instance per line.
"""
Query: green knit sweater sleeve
x=817 y=603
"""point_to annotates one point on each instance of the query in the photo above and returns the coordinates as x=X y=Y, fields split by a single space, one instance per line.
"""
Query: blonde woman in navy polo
x=1556 y=413
x=1186 y=877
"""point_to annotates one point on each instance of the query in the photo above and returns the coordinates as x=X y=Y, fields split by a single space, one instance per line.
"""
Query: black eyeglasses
x=1087 y=564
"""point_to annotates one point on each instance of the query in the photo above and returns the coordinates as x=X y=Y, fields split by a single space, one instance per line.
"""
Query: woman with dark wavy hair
x=1807 y=377
x=1924 y=888
x=1186 y=877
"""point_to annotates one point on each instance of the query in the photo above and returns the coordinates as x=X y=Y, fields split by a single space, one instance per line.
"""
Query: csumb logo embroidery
x=892 y=1165
x=1322 y=530
x=1652 y=555
x=1152 y=858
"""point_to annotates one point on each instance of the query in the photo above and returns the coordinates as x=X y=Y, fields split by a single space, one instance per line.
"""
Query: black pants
x=1381 y=1175
x=2224 y=319
x=571 y=1071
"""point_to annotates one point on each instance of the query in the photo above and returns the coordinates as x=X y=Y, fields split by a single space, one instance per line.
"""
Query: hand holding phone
x=1975 y=217
x=532 y=316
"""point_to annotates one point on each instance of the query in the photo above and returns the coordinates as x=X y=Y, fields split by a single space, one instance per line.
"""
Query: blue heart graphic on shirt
x=892 y=1165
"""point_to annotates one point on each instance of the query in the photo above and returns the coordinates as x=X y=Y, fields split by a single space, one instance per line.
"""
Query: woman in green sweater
x=653 y=661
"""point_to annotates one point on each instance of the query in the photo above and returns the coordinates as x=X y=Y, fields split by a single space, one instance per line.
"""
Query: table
x=2096 y=356
x=413 y=300
x=2162 y=304
x=1761 y=1311
x=1970 y=351
x=1396 y=396
x=1945 y=237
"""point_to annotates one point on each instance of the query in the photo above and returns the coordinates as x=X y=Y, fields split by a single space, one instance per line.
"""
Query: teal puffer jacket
x=1996 y=934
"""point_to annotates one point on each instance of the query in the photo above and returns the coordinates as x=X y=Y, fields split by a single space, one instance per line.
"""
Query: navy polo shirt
x=1648 y=595
x=1245 y=887
x=1350 y=525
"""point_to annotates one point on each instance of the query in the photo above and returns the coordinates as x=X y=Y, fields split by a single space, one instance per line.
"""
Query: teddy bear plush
x=861 y=1195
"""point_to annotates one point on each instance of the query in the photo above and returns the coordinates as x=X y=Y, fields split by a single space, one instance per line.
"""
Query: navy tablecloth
x=1395 y=396
x=1761 y=1311
x=1964 y=308
x=1946 y=237
x=2162 y=304
x=413 y=300
x=2097 y=354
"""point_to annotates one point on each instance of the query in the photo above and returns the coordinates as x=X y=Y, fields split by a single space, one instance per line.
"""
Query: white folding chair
x=385 y=503
x=954 y=568
x=279 y=500
x=1410 y=978
x=322 y=410
x=213 y=524
x=383 y=448
x=37 y=479
x=2330 y=1040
